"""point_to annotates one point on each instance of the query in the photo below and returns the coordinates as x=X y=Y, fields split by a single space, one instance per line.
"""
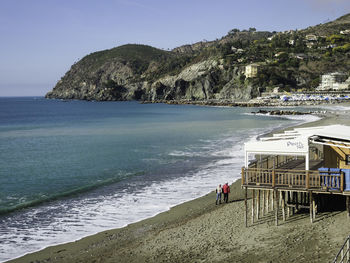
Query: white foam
x=335 y=107
x=302 y=118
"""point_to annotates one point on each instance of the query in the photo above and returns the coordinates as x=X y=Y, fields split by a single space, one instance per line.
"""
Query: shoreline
x=178 y=214
x=250 y=104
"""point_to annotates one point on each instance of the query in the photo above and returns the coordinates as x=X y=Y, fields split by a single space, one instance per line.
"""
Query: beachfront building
x=251 y=71
x=304 y=168
x=334 y=81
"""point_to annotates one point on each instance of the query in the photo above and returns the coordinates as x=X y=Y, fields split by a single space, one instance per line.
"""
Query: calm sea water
x=71 y=169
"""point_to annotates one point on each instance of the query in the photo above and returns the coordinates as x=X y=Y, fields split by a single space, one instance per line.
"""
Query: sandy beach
x=200 y=231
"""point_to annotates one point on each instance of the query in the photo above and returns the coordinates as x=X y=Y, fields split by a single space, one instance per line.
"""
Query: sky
x=41 y=39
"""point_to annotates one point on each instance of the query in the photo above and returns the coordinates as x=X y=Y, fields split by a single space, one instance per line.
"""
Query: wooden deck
x=290 y=176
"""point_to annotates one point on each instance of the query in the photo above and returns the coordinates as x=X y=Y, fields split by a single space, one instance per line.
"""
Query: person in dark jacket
x=226 y=190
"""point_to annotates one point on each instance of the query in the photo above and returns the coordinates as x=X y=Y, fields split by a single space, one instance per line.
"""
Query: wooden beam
x=288 y=200
x=314 y=207
x=243 y=176
x=311 y=212
x=341 y=181
x=273 y=178
x=276 y=209
x=263 y=203
x=258 y=205
x=307 y=183
x=246 y=206
x=253 y=205
x=283 y=206
x=296 y=202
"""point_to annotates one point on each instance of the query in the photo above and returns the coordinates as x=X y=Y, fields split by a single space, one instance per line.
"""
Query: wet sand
x=200 y=231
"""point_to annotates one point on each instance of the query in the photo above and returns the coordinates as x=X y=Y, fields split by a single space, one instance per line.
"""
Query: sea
x=69 y=169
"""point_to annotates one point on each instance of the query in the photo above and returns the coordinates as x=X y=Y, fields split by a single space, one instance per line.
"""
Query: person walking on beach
x=226 y=190
x=218 y=194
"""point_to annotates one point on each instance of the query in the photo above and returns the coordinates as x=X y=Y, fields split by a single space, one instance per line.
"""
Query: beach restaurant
x=303 y=168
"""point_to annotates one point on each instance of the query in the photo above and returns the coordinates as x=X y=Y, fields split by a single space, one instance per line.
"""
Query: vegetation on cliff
x=291 y=60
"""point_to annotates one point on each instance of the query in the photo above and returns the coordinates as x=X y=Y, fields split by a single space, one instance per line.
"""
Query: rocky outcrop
x=115 y=80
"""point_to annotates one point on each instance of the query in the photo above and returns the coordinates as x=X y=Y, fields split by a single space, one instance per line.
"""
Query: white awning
x=296 y=142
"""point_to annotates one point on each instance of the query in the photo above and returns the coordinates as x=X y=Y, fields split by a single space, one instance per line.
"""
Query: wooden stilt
x=246 y=206
x=288 y=201
x=263 y=203
x=310 y=201
x=302 y=198
x=296 y=202
x=348 y=206
x=314 y=207
x=258 y=205
x=253 y=206
x=276 y=194
x=283 y=206
x=272 y=200
x=266 y=201
x=280 y=198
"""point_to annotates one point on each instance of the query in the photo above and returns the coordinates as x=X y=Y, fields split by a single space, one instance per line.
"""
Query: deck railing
x=343 y=255
x=293 y=179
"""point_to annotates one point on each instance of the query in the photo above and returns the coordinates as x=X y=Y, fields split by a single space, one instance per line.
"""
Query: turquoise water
x=76 y=168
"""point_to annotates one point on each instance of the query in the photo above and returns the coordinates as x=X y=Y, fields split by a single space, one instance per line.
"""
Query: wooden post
x=283 y=206
x=246 y=206
x=253 y=205
x=311 y=201
x=296 y=202
x=348 y=206
x=307 y=180
x=258 y=205
x=288 y=201
x=341 y=181
x=273 y=178
x=272 y=201
x=314 y=206
x=302 y=198
x=243 y=176
x=267 y=201
x=263 y=203
x=276 y=209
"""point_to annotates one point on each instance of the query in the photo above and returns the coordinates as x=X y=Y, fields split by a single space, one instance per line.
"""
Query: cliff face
x=118 y=79
x=211 y=70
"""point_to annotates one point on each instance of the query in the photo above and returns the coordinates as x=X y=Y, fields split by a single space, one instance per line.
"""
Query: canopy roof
x=296 y=141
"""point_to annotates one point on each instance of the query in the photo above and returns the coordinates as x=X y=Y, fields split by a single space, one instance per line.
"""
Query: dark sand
x=200 y=231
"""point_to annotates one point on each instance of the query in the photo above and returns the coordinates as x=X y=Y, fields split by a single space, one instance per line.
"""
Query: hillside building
x=251 y=71
x=311 y=37
x=334 y=81
x=345 y=32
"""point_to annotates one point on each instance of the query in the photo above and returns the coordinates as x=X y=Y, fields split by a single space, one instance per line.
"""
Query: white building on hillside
x=334 y=81
x=251 y=71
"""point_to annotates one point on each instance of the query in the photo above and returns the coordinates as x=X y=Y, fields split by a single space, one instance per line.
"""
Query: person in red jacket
x=226 y=190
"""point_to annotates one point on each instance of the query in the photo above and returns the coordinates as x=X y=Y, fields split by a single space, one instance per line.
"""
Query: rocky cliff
x=211 y=70
x=117 y=78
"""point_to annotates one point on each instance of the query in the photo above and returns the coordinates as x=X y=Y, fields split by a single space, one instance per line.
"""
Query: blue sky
x=41 y=39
